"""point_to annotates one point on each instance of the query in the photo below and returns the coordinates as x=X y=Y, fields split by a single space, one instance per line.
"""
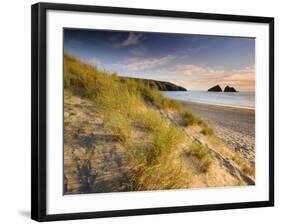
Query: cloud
x=138 y=50
x=203 y=77
x=132 y=39
x=137 y=64
x=190 y=69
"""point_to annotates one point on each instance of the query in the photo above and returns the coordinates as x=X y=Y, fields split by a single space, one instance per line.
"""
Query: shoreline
x=234 y=126
x=219 y=106
x=203 y=96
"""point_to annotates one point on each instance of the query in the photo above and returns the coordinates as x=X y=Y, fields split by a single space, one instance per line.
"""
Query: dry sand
x=235 y=126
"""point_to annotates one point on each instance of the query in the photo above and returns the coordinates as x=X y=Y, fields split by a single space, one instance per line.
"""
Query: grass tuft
x=163 y=137
x=188 y=118
x=245 y=167
x=120 y=127
x=203 y=156
x=205 y=129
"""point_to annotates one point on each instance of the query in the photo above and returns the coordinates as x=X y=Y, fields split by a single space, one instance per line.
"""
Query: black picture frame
x=38 y=108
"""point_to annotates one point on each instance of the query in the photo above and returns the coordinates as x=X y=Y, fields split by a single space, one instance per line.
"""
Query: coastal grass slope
x=120 y=134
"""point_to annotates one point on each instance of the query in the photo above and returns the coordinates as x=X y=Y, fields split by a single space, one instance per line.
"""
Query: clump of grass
x=205 y=129
x=163 y=136
x=155 y=97
x=149 y=161
x=120 y=127
x=166 y=140
x=198 y=150
x=188 y=118
x=169 y=103
x=203 y=156
x=248 y=170
x=162 y=176
x=140 y=155
x=149 y=120
x=78 y=76
x=245 y=167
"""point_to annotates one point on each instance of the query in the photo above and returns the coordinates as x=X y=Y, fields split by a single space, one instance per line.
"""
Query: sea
x=237 y=99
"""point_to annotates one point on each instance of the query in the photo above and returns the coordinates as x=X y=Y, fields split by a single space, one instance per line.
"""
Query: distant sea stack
x=216 y=88
x=160 y=85
x=229 y=89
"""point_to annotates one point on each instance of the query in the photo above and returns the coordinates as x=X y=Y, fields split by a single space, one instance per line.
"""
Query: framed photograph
x=139 y=111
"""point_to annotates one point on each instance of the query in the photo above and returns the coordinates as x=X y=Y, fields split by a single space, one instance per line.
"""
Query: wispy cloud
x=132 y=39
x=132 y=65
x=138 y=50
x=138 y=64
x=190 y=69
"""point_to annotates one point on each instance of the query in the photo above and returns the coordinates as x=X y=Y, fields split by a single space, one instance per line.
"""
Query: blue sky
x=196 y=62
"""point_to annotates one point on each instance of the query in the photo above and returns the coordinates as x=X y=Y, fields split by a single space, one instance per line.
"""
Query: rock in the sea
x=216 y=88
x=229 y=89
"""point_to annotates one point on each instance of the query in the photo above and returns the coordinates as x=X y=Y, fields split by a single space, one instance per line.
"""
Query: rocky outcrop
x=160 y=85
x=216 y=88
x=229 y=89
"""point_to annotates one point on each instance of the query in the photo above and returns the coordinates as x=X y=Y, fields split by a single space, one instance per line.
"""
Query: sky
x=196 y=62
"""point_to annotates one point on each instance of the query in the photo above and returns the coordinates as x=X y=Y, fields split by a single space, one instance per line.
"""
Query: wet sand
x=235 y=126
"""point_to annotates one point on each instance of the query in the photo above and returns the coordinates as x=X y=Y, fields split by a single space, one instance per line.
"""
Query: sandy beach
x=235 y=126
